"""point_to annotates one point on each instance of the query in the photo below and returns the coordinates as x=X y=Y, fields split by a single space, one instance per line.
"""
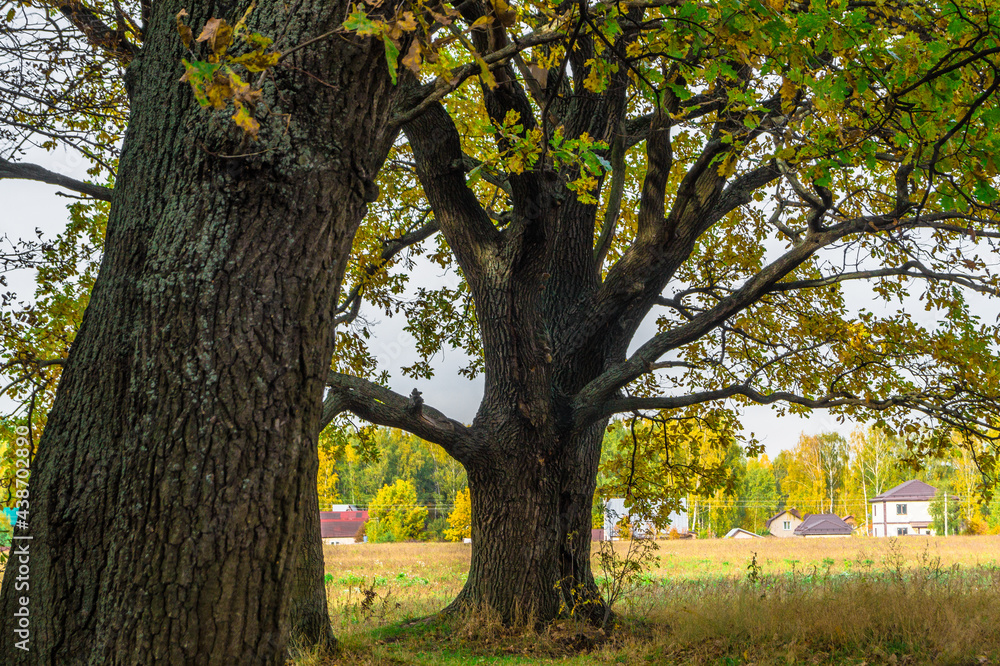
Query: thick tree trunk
x=171 y=487
x=531 y=521
x=309 y=618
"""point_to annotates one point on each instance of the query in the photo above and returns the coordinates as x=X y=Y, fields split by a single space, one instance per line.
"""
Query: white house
x=615 y=511
x=740 y=533
x=903 y=510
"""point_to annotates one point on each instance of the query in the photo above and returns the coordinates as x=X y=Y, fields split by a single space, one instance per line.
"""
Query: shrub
x=460 y=518
x=394 y=514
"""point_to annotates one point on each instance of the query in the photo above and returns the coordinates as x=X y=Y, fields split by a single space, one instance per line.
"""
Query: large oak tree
x=174 y=488
x=743 y=178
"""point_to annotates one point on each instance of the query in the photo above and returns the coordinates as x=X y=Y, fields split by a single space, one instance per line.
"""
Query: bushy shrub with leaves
x=460 y=518
x=394 y=514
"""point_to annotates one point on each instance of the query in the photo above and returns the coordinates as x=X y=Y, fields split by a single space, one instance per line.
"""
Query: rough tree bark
x=174 y=482
x=531 y=527
x=308 y=615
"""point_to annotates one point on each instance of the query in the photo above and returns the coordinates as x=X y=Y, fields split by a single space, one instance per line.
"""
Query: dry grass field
x=917 y=600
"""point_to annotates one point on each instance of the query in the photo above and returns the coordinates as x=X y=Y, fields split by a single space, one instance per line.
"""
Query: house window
x=875 y=510
x=900 y=509
x=787 y=525
x=901 y=531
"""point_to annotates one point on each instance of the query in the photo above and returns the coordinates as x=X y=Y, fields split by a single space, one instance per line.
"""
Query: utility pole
x=946 y=514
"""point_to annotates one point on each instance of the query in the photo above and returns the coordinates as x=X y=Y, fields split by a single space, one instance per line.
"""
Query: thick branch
x=22 y=171
x=661 y=246
x=615 y=192
x=659 y=159
x=963 y=411
x=379 y=405
x=438 y=153
x=602 y=389
x=631 y=404
x=110 y=40
x=740 y=191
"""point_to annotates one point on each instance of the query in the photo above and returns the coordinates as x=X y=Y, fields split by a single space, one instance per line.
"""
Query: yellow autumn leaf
x=257 y=61
x=218 y=34
x=728 y=166
x=482 y=21
x=219 y=90
x=407 y=22
x=242 y=92
x=506 y=13
x=412 y=59
x=242 y=23
x=788 y=92
x=243 y=118
x=183 y=30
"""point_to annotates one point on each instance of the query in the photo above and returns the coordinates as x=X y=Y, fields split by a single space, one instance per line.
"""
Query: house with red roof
x=340 y=527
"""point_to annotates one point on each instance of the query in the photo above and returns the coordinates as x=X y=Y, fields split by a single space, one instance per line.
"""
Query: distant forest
x=824 y=473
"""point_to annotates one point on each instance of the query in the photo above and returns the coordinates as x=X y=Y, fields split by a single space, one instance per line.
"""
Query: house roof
x=794 y=512
x=334 y=525
x=909 y=490
x=739 y=530
x=823 y=523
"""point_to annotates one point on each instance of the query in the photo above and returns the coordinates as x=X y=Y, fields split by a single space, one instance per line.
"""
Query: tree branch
x=659 y=160
x=438 y=153
x=110 y=40
x=934 y=406
x=379 y=405
x=607 y=384
x=615 y=192
x=740 y=191
x=349 y=308
x=22 y=171
x=632 y=404
x=604 y=387
x=912 y=268
x=435 y=91
x=662 y=244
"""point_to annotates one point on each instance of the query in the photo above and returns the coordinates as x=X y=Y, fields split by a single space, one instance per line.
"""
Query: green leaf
x=391 y=56
x=474 y=175
x=358 y=21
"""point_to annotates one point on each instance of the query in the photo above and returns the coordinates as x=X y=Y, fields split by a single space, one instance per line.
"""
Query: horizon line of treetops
x=823 y=473
x=421 y=486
